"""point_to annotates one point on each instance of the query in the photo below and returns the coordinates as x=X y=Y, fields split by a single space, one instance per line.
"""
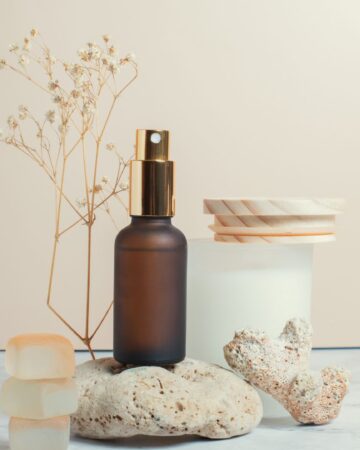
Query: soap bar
x=25 y=434
x=39 y=356
x=38 y=399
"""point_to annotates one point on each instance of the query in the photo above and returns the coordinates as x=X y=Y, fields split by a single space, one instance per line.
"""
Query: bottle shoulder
x=150 y=235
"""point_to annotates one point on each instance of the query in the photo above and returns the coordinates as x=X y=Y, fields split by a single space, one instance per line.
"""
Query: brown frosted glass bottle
x=150 y=263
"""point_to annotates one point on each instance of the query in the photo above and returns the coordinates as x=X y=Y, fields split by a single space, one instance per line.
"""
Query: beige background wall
x=263 y=99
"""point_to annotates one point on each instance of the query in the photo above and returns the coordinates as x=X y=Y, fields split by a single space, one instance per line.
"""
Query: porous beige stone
x=280 y=367
x=316 y=397
x=191 y=397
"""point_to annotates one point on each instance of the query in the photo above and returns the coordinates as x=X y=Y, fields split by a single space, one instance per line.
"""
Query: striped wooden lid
x=274 y=206
x=287 y=220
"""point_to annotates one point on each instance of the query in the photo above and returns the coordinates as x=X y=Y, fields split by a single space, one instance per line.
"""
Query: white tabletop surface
x=272 y=434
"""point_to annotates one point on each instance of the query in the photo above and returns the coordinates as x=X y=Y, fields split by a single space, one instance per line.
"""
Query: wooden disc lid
x=273 y=220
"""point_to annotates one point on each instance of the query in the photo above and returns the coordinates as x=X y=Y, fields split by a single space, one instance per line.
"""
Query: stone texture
x=191 y=397
x=316 y=397
x=280 y=367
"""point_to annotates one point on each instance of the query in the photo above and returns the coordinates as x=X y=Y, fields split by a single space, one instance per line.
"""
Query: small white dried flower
x=80 y=202
x=34 y=32
x=105 y=179
x=83 y=54
x=112 y=50
x=114 y=68
x=130 y=57
x=53 y=84
x=124 y=185
x=12 y=122
x=95 y=53
x=80 y=82
x=23 y=112
x=57 y=99
x=13 y=48
x=2 y=64
x=97 y=188
x=23 y=60
x=105 y=60
x=89 y=107
x=75 y=93
x=50 y=116
x=27 y=45
x=113 y=65
x=51 y=59
x=106 y=38
x=76 y=70
x=8 y=140
x=110 y=146
x=62 y=128
x=77 y=73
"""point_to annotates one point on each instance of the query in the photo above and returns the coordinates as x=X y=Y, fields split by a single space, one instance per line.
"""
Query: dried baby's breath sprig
x=50 y=116
x=12 y=122
x=53 y=85
x=27 y=45
x=23 y=112
x=130 y=57
x=73 y=123
x=110 y=146
x=23 y=60
x=124 y=185
x=13 y=48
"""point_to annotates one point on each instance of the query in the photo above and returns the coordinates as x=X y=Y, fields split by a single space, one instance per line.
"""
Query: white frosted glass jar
x=232 y=286
x=256 y=273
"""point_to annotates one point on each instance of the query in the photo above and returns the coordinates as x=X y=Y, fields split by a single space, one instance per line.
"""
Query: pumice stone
x=191 y=397
x=280 y=367
x=39 y=356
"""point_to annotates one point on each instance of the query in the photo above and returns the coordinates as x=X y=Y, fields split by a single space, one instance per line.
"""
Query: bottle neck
x=138 y=220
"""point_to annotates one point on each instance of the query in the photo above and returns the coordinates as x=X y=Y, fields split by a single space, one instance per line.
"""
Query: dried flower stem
x=96 y=70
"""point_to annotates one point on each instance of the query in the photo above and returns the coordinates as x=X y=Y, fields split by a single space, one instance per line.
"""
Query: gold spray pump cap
x=152 y=175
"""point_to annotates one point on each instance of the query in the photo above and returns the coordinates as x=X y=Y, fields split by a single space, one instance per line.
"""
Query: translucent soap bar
x=39 y=356
x=38 y=399
x=49 y=434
